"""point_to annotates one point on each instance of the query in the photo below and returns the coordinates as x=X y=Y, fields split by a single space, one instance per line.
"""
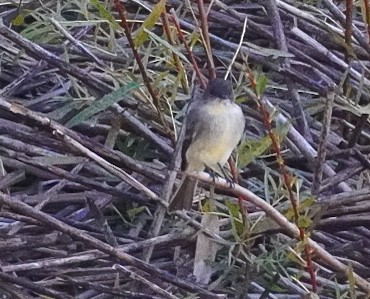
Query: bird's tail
x=183 y=197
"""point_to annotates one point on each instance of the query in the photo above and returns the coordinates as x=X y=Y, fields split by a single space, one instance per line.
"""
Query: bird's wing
x=194 y=124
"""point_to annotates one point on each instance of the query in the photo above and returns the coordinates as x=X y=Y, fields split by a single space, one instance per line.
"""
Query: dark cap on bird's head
x=219 y=88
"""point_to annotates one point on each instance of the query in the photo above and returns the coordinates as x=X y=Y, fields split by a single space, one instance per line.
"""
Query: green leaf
x=207 y=207
x=251 y=149
x=195 y=37
x=61 y=112
x=304 y=222
x=236 y=221
x=105 y=14
x=289 y=214
x=102 y=104
x=132 y=213
x=273 y=53
x=261 y=85
x=167 y=45
x=142 y=35
x=306 y=203
x=352 y=282
x=36 y=31
x=18 y=20
x=303 y=206
x=282 y=130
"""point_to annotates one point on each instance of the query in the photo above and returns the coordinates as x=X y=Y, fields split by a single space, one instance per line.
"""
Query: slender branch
x=367 y=13
x=122 y=14
x=332 y=7
x=177 y=61
x=321 y=152
x=190 y=53
x=288 y=181
x=348 y=41
x=160 y=291
x=348 y=28
x=153 y=93
x=238 y=49
x=205 y=34
x=280 y=41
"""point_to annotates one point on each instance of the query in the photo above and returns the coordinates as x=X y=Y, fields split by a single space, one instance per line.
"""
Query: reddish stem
x=234 y=173
x=170 y=40
x=122 y=12
x=367 y=14
x=204 y=26
x=287 y=183
x=190 y=53
x=348 y=28
x=153 y=93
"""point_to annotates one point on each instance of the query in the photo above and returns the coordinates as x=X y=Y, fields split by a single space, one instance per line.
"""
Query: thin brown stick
x=348 y=28
x=287 y=179
x=160 y=291
x=321 y=152
x=153 y=93
x=177 y=61
x=122 y=14
x=207 y=44
x=280 y=41
x=367 y=14
x=190 y=53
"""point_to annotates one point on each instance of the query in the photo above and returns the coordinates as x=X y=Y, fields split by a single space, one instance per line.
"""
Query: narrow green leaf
x=18 y=20
x=236 y=220
x=251 y=149
x=274 y=54
x=36 y=31
x=282 y=130
x=141 y=35
x=167 y=45
x=20 y=17
x=61 y=112
x=104 y=13
x=352 y=282
x=304 y=222
x=261 y=85
x=306 y=203
x=132 y=213
x=102 y=104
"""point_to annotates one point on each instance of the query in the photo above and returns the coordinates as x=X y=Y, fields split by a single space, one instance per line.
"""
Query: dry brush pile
x=88 y=133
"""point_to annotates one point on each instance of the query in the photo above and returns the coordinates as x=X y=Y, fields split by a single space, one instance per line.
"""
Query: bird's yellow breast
x=215 y=136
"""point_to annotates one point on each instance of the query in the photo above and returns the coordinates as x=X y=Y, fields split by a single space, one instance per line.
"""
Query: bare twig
x=205 y=35
x=190 y=53
x=151 y=89
x=280 y=41
x=321 y=152
x=163 y=293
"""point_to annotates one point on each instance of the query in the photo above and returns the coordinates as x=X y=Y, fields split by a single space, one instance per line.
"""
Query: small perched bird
x=214 y=127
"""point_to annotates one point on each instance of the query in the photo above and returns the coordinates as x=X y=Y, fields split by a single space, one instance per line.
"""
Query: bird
x=214 y=127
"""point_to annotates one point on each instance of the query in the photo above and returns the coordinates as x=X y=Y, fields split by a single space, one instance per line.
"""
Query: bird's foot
x=214 y=175
x=230 y=181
